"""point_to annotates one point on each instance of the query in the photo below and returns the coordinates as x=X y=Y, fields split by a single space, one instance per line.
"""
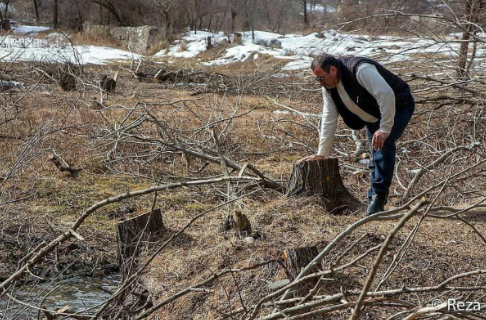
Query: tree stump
x=134 y=235
x=66 y=78
x=209 y=43
x=322 y=178
x=294 y=259
x=5 y=25
x=108 y=83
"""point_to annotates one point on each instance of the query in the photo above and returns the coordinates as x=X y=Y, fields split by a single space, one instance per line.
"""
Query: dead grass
x=96 y=39
x=288 y=223
x=272 y=142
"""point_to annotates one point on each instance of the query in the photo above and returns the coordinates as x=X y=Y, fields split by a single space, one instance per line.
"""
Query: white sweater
x=373 y=82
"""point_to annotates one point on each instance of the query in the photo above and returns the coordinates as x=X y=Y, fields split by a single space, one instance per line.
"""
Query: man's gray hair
x=325 y=61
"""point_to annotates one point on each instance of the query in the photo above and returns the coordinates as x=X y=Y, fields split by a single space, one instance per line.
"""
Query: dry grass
x=85 y=136
x=96 y=39
x=288 y=223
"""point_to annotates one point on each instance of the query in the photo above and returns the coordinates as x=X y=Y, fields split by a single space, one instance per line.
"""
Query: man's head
x=325 y=69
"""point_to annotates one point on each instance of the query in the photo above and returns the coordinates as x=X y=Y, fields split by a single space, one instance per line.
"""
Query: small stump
x=294 y=259
x=322 y=178
x=134 y=235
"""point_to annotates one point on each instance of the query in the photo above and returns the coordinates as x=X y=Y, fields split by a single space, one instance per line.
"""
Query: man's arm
x=328 y=128
x=369 y=77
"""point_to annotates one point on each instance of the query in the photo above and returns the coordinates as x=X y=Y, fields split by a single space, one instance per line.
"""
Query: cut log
x=62 y=165
x=321 y=178
x=294 y=259
x=134 y=235
x=162 y=75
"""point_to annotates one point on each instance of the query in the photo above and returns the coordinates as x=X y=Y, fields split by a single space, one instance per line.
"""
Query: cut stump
x=134 y=235
x=321 y=178
x=294 y=259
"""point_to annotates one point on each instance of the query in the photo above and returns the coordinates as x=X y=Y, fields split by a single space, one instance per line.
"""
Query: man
x=364 y=94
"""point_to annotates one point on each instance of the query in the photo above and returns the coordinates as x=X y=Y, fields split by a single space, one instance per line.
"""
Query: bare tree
x=304 y=4
x=36 y=9
x=55 y=13
x=112 y=10
x=473 y=14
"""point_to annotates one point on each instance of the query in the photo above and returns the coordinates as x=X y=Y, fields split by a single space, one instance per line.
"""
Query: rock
x=249 y=239
x=274 y=43
x=260 y=42
x=274 y=286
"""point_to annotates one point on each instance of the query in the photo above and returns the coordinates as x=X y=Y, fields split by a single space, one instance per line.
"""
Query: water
x=80 y=293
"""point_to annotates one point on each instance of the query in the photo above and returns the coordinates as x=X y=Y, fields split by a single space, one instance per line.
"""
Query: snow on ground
x=20 y=29
x=21 y=46
x=296 y=49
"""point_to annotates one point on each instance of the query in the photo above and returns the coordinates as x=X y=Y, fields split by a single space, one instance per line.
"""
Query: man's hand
x=311 y=158
x=378 y=140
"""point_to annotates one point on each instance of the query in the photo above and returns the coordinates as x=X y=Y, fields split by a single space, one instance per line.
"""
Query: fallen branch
x=441 y=159
x=384 y=247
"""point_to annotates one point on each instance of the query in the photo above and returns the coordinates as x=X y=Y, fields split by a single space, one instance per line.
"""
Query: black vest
x=361 y=97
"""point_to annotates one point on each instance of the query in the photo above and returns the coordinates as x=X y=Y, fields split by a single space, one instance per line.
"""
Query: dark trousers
x=382 y=164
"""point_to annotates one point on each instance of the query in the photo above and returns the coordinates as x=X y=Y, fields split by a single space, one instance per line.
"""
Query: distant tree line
x=281 y=16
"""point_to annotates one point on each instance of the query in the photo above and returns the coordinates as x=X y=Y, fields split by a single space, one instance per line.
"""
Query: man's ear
x=333 y=71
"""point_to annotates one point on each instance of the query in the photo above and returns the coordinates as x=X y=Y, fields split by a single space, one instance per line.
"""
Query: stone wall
x=136 y=39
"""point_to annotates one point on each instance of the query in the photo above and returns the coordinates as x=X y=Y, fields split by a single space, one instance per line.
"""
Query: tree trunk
x=54 y=14
x=135 y=234
x=233 y=19
x=6 y=9
x=473 y=12
x=101 y=14
x=322 y=178
x=111 y=11
x=36 y=9
x=306 y=18
x=80 y=17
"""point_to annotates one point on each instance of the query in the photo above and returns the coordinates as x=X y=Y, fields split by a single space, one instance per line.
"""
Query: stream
x=79 y=293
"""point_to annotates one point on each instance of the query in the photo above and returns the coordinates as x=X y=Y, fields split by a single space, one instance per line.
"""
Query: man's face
x=329 y=79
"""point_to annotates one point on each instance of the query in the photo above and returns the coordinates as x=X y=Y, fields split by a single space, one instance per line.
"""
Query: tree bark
x=111 y=11
x=134 y=234
x=55 y=14
x=80 y=17
x=36 y=9
x=473 y=10
x=322 y=178
x=294 y=259
x=62 y=165
x=306 y=18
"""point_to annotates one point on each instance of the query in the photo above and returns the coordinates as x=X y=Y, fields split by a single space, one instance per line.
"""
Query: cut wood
x=134 y=235
x=62 y=165
x=294 y=259
x=321 y=178
x=108 y=83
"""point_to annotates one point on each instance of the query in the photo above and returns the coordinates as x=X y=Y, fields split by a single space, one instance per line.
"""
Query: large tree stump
x=322 y=178
x=134 y=235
